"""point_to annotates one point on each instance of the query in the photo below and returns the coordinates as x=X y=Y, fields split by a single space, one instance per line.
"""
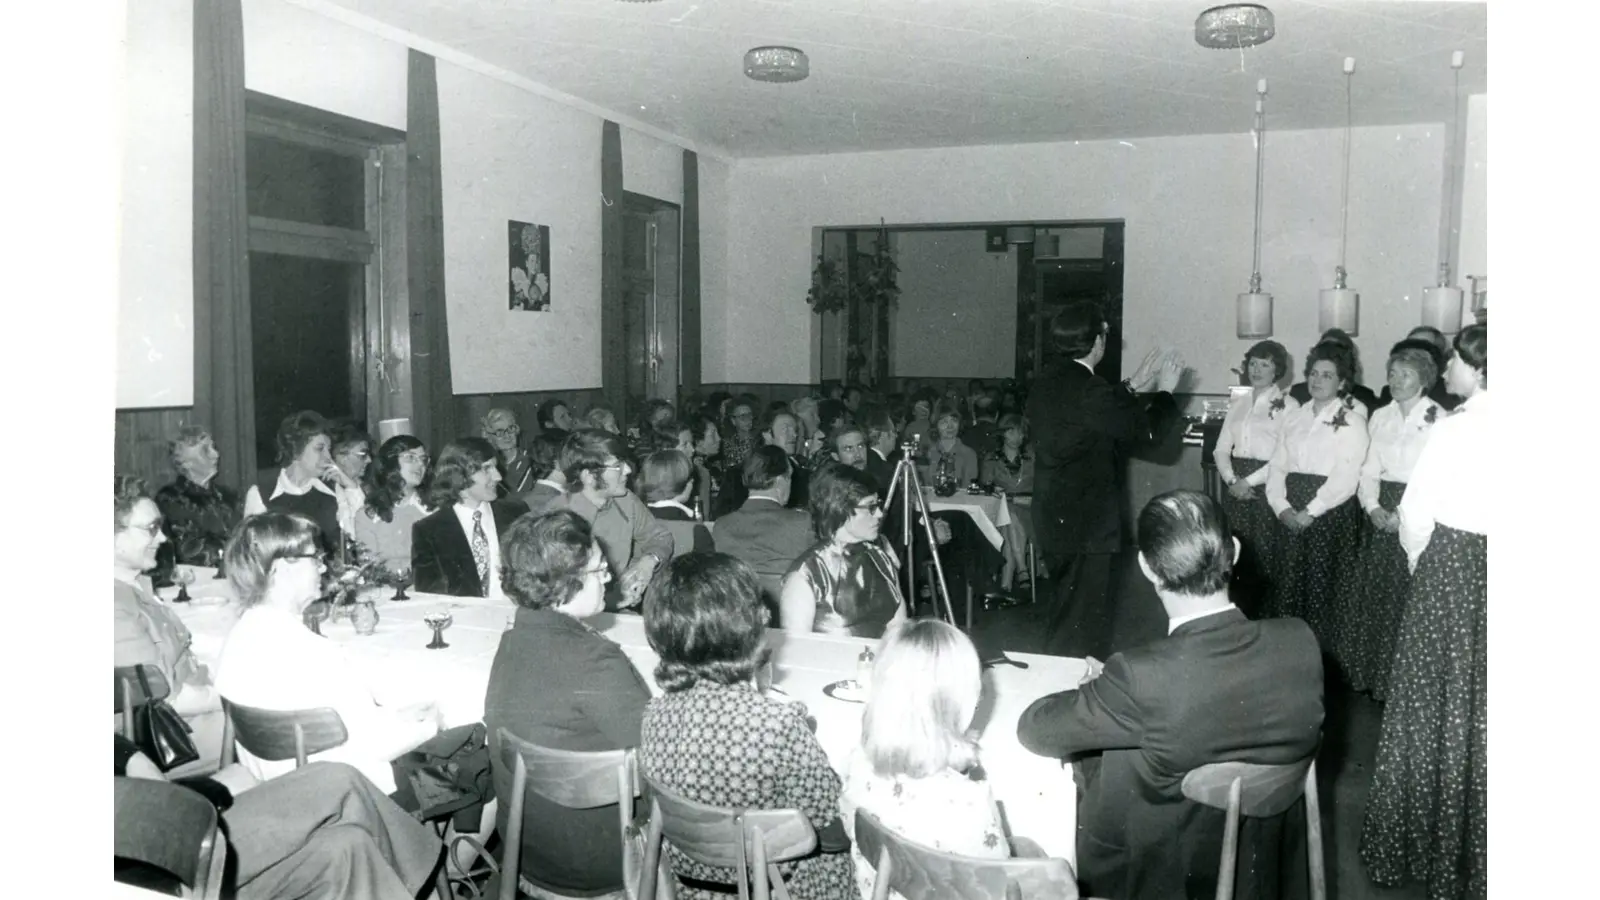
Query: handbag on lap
x=160 y=732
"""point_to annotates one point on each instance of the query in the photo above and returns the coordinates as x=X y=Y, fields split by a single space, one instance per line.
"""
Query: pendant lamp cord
x=1455 y=173
x=1344 y=203
x=1261 y=149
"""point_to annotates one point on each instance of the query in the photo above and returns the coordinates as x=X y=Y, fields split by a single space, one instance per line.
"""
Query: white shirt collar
x=1085 y=365
x=555 y=484
x=762 y=497
x=663 y=504
x=285 y=486
x=1174 y=624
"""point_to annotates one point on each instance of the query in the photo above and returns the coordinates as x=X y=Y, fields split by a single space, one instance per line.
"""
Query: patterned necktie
x=480 y=552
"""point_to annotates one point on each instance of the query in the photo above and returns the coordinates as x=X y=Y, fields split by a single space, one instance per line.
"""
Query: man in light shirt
x=456 y=549
x=596 y=466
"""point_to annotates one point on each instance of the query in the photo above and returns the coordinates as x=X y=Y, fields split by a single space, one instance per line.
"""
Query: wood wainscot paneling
x=140 y=445
x=768 y=392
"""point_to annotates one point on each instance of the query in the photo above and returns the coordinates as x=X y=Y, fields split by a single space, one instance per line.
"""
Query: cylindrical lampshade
x=388 y=428
x=1441 y=308
x=1338 y=308
x=1019 y=234
x=1480 y=294
x=1255 y=315
x=1046 y=246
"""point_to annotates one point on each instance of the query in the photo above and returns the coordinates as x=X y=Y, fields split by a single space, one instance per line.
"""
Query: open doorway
x=650 y=291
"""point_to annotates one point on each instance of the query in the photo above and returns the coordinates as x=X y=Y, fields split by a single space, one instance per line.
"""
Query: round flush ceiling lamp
x=776 y=64
x=1234 y=26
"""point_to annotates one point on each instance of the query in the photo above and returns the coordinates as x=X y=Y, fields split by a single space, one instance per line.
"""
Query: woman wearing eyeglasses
x=394 y=502
x=846 y=583
x=272 y=661
x=557 y=683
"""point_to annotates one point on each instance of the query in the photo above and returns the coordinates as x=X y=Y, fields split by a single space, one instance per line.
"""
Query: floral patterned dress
x=947 y=811
x=728 y=746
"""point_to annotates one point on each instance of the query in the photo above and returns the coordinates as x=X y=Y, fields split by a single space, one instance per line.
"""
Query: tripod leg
x=940 y=590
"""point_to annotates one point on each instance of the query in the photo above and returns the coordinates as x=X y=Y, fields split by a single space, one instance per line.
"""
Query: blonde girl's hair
x=926 y=683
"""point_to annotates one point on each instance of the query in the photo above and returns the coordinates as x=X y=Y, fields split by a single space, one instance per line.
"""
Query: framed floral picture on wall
x=529 y=282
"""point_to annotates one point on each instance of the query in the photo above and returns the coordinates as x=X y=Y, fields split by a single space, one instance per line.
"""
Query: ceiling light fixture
x=1339 y=306
x=1441 y=304
x=776 y=64
x=1019 y=234
x=1234 y=26
x=1254 y=308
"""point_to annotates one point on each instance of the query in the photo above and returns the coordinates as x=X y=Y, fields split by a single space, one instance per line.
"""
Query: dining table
x=1035 y=794
x=990 y=512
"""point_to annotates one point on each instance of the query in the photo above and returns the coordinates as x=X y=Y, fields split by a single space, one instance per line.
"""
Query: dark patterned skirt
x=1373 y=593
x=1427 y=815
x=1307 y=563
x=1257 y=529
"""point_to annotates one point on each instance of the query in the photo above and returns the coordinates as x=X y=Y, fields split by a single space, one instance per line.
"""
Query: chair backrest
x=744 y=840
x=1263 y=790
x=273 y=735
x=128 y=693
x=918 y=871
x=172 y=828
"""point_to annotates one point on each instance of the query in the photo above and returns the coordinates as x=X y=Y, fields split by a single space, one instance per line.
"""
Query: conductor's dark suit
x=1080 y=425
x=1220 y=688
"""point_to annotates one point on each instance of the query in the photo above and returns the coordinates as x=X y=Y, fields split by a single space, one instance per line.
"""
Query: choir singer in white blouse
x=1248 y=440
x=1311 y=487
x=272 y=661
x=1373 y=591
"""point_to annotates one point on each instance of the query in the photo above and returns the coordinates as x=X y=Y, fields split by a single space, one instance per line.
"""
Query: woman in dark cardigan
x=307 y=480
x=558 y=683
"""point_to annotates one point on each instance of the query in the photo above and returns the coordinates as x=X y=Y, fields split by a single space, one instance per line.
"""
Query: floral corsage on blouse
x=1339 y=418
x=1274 y=408
x=1432 y=415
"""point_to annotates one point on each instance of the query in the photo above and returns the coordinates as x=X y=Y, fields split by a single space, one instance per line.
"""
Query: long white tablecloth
x=1036 y=795
x=990 y=513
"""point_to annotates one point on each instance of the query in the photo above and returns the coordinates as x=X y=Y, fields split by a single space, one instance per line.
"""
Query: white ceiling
x=891 y=74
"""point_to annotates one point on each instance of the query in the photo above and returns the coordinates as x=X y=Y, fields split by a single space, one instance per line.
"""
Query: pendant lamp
x=1254 y=309
x=1339 y=306
x=1441 y=304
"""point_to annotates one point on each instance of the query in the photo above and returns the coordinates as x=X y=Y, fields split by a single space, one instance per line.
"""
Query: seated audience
x=351 y=449
x=557 y=683
x=741 y=436
x=1301 y=392
x=555 y=419
x=544 y=457
x=696 y=437
x=762 y=533
x=811 y=433
x=455 y=549
x=1009 y=467
x=147 y=631
x=600 y=417
x=1218 y=688
x=963 y=460
x=1311 y=487
x=499 y=427
x=847 y=445
x=271 y=660
x=833 y=414
x=919 y=426
x=984 y=432
x=912 y=766
x=782 y=430
x=882 y=442
x=654 y=419
x=307 y=481
x=852 y=396
x=323 y=832
x=197 y=514
x=394 y=504
x=596 y=467
x=666 y=481
x=847 y=582
x=715 y=738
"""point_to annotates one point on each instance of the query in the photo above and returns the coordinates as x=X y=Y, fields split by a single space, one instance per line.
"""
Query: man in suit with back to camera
x=1081 y=426
x=1218 y=688
x=763 y=532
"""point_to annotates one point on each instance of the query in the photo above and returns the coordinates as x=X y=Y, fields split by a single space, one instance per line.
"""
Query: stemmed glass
x=402 y=580
x=438 y=620
x=183 y=578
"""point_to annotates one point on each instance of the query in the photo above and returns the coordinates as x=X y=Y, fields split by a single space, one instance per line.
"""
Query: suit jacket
x=1219 y=688
x=1081 y=426
x=441 y=558
x=768 y=537
x=539 y=497
x=689 y=535
x=557 y=683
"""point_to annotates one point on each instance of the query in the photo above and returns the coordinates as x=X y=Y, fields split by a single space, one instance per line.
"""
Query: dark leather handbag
x=160 y=732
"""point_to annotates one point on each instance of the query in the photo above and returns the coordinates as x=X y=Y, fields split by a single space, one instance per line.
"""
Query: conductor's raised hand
x=1170 y=373
x=1143 y=376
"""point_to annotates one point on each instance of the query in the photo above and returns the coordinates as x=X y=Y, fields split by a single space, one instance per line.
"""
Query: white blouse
x=1312 y=444
x=1447 y=486
x=1394 y=442
x=1251 y=430
x=272 y=661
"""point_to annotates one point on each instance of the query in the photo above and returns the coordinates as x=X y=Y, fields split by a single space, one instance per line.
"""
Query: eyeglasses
x=602 y=571
x=871 y=506
x=152 y=529
x=417 y=456
x=501 y=432
x=743 y=415
x=616 y=464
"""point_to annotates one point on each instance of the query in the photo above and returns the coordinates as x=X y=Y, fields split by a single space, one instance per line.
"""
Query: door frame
x=663 y=312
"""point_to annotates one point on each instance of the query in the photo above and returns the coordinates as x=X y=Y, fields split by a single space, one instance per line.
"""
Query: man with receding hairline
x=1218 y=688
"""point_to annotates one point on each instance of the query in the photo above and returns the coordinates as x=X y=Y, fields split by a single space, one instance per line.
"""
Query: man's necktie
x=480 y=552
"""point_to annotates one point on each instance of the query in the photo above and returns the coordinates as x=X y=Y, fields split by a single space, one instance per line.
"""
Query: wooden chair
x=274 y=735
x=1250 y=789
x=918 y=871
x=577 y=781
x=172 y=828
x=751 y=842
x=129 y=695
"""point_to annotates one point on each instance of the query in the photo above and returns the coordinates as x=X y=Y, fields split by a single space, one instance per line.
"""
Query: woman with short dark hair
x=272 y=661
x=947 y=445
x=1311 y=487
x=557 y=683
x=306 y=482
x=394 y=501
x=705 y=621
x=666 y=480
x=1428 y=812
x=846 y=583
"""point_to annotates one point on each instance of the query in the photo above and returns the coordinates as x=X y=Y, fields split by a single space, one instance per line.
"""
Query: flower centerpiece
x=354 y=577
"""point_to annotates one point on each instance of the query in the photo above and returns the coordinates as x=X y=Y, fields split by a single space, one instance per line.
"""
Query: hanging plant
x=830 y=291
x=876 y=279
